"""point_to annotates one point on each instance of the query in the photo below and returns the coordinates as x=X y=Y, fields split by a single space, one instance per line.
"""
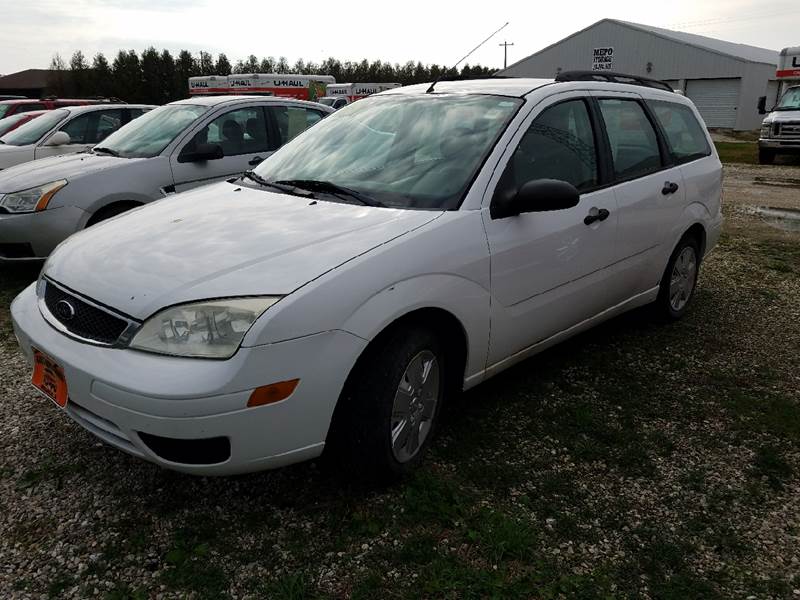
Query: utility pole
x=505 y=46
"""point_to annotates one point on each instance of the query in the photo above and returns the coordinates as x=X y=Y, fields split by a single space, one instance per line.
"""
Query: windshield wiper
x=332 y=188
x=786 y=108
x=286 y=189
x=106 y=151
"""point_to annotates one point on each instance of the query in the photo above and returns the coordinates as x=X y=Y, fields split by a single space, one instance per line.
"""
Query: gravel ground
x=637 y=460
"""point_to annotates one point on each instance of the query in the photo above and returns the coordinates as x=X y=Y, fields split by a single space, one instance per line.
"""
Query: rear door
x=649 y=190
x=245 y=139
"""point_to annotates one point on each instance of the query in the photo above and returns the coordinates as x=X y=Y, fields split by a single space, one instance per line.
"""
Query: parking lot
x=638 y=459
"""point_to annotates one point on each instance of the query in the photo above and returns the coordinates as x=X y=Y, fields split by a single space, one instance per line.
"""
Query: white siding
x=716 y=99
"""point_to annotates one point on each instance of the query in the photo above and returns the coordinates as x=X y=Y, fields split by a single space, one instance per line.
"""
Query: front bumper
x=118 y=394
x=33 y=236
x=780 y=145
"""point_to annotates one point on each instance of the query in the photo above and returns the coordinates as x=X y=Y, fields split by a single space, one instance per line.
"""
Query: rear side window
x=685 y=136
x=634 y=145
x=291 y=121
x=558 y=145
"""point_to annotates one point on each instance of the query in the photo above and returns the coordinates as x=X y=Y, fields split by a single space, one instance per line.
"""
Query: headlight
x=33 y=199
x=212 y=329
x=765 y=129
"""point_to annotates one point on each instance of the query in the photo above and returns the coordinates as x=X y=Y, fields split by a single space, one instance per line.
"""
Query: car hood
x=784 y=115
x=220 y=241
x=66 y=166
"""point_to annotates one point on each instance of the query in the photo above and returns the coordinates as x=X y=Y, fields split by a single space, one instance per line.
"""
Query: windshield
x=402 y=151
x=327 y=101
x=34 y=130
x=9 y=122
x=790 y=100
x=148 y=135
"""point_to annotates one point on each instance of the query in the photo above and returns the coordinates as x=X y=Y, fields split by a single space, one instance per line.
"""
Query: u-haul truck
x=289 y=85
x=780 y=130
x=342 y=94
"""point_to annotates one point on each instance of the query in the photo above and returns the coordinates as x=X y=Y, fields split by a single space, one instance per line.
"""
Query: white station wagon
x=409 y=246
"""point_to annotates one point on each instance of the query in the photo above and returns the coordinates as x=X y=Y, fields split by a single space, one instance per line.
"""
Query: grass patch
x=738 y=152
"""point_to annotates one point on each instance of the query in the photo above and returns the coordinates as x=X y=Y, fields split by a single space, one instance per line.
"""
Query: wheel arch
x=97 y=214
x=444 y=324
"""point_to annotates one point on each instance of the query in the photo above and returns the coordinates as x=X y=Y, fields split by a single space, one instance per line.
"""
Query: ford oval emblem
x=65 y=310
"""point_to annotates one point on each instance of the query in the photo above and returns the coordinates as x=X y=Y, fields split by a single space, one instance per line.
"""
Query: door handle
x=254 y=161
x=669 y=188
x=596 y=214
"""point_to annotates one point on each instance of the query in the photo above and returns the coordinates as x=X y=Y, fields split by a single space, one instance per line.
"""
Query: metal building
x=723 y=79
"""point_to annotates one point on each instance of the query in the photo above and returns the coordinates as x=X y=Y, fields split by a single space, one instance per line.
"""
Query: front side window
x=108 y=121
x=558 y=145
x=33 y=131
x=79 y=129
x=685 y=136
x=634 y=145
x=241 y=131
x=416 y=152
x=148 y=135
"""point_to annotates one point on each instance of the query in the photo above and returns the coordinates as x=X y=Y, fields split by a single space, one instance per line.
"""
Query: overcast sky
x=430 y=31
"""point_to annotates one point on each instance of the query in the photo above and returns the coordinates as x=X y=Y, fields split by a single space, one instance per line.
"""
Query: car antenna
x=430 y=89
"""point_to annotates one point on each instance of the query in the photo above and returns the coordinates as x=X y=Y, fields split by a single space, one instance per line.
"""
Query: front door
x=244 y=137
x=548 y=269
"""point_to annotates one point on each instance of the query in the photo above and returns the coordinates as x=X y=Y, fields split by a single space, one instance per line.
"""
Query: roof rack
x=612 y=77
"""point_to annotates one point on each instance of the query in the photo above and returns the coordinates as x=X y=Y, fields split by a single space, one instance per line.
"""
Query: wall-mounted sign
x=603 y=59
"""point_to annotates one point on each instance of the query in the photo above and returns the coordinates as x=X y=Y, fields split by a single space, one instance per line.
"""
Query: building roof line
x=662 y=33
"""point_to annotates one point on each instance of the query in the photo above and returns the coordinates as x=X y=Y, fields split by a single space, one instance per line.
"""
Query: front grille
x=84 y=320
x=790 y=129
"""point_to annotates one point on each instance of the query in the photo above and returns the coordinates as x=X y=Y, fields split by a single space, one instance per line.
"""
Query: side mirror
x=539 y=195
x=762 y=105
x=202 y=152
x=59 y=138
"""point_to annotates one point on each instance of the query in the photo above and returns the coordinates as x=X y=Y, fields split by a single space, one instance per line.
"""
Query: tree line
x=159 y=77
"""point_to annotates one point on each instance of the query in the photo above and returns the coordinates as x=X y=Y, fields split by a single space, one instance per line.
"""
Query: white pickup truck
x=780 y=130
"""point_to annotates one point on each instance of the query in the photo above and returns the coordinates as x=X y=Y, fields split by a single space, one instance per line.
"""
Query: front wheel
x=680 y=279
x=765 y=156
x=388 y=411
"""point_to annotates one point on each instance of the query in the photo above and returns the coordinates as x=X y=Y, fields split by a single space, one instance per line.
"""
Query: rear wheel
x=680 y=279
x=766 y=156
x=388 y=411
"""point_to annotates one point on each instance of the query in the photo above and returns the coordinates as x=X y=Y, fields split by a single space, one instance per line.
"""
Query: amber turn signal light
x=274 y=392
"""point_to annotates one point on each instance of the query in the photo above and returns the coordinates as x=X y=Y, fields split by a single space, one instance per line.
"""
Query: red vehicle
x=11 y=123
x=14 y=107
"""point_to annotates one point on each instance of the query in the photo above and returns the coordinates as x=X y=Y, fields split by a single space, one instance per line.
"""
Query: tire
x=392 y=398
x=679 y=281
x=112 y=210
x=766 y=157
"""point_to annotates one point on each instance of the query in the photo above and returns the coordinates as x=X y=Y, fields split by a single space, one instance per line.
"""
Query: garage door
x=716 y=99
